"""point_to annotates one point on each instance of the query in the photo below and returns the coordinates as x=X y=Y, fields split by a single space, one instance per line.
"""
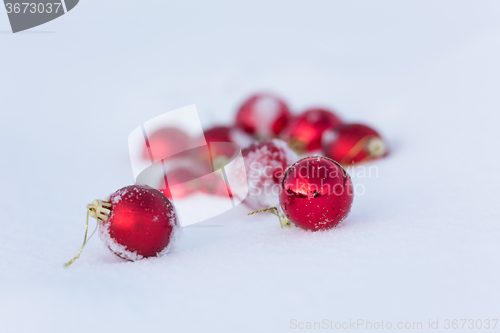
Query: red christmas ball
x=354 y=143
x=178 y=176
x=220 y=134
x=219 y=152
x=316 y=194
x=141 y=223
x=263 y=116
x=265 y=163
x=166 y=142
x=304 y=132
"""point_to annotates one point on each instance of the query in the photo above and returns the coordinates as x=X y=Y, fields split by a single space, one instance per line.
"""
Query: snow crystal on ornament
x=241 y=138
x=116 y=248
x=265 y=163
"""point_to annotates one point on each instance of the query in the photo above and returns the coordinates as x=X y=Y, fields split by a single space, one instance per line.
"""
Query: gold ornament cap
x=99 y=210
x=376 y=147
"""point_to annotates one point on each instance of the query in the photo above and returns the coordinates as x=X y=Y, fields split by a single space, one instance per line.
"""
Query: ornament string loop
x=100 y=211
x=284 y=221
x=297 y=145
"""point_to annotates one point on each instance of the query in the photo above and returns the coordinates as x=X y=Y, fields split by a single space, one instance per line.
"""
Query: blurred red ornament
x=316 y=193
x=166 y=142
x=354 y=143
x=265 y=163
x=263 y=116
x=304 y=132
x=178 y=177
x=220 y=134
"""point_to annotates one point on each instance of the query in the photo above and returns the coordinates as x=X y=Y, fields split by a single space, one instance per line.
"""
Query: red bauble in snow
x=316 y=194
x=304 y=132
x=228 y=134
x=220 y=134
x=265 y=162
x=135 y=222
x=166 y=142
x=141 y=222
x=178 y=176
x=219 y=152
x=263 y=116
x=353 y=143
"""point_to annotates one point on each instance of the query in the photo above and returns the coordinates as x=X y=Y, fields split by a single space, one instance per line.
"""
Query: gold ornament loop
x=297 y=145
x=284 y=221
x=99 y=210
x=376 y=147
x=372 y=145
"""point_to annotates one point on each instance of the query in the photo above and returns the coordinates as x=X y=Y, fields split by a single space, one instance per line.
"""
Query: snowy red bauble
x=316 y=194
x=141 y=223
x=166 y=142
x=263 y=116
x=265 y=162
x=353 y=143
x=304 y=132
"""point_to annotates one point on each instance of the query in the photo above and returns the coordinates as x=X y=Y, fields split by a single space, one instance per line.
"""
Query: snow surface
x=421 y=242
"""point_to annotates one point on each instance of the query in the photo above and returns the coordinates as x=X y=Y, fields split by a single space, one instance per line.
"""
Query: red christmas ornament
x=354 y=143
x=166 y=142
x=316 y=194
x=220 y=153
x=135 y=222
x=220 y=134
x=178 y=176
x=228 y=134
x=304 y=132
x=263 y=116
x=265 y=162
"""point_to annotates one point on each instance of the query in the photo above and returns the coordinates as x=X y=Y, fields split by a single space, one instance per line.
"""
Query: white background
x=422 y=242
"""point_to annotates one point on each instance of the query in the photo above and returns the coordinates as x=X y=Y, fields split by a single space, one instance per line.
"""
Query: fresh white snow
x=421 y=242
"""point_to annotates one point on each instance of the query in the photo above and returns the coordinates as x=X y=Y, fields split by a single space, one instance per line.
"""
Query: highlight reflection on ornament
x=263 y=116
x=316 y=194
x=304 y=132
